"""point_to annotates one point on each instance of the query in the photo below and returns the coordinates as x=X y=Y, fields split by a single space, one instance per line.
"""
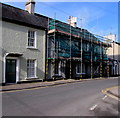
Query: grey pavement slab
x=43 y=84
x=115 y=91
x=35 y=85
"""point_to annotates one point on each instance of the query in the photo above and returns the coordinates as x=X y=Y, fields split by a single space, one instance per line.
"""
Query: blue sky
x=98 y=17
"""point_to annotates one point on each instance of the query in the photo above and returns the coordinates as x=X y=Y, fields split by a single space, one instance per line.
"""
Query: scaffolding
x=73 y=43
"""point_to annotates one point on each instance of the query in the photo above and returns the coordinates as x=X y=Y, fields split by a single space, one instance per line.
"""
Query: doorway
x=67 y=70
x=10 y=70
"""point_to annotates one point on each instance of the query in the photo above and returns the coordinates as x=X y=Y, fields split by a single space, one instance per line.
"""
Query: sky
x=100 y=18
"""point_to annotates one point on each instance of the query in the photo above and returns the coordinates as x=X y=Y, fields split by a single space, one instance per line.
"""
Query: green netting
x=75 y=31
x=63 y=50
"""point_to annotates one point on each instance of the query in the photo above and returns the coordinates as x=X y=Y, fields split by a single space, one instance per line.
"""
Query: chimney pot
x=72 y=21
x=30 y=6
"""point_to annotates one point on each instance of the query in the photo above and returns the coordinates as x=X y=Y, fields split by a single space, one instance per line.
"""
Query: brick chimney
x=30 y=6
x=72 y=21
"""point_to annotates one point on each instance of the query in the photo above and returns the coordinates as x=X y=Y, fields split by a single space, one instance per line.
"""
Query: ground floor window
x=58 y=67
x=31 y=68
x=80 y=69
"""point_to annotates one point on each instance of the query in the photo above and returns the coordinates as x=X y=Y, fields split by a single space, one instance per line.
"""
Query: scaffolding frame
x=91 y=58
x=81 y=34
x=81 y=52
x=70 y=52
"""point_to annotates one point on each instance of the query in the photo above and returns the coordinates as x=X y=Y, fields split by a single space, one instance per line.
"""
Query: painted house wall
x=1 y=62
x=114 y=51
x=114 y=54
x=15 y=40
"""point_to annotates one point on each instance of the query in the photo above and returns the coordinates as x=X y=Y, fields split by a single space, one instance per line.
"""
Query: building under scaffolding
x=73 y=52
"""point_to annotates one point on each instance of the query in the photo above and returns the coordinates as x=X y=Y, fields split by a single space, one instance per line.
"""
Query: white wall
x=15 y=40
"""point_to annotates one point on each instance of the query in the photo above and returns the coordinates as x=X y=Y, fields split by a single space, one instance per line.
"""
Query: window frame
x=87 y=47
x=35 y=39
x=58 y=68
x=35 y=70
x=83 y=68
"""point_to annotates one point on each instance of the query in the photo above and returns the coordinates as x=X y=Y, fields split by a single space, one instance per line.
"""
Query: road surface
x=73 y=99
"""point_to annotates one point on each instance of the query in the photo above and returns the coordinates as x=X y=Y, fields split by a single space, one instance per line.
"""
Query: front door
x=67 y=70
x=10 y=70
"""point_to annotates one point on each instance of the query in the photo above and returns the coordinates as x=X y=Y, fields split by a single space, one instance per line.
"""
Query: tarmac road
x=74 y=99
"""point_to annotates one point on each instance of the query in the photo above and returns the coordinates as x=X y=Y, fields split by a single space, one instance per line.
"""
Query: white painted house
x=23 y=44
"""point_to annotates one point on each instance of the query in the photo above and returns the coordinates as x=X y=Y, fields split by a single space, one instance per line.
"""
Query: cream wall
x=15 y=40
x=114 y=53
x=114 y=50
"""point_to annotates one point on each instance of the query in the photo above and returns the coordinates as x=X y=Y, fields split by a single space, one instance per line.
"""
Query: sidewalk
x=45 y=84
x=36 y=85
x=115 y=91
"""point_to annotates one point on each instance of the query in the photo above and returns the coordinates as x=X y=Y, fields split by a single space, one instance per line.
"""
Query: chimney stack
x=30 y=6
x=72 y=21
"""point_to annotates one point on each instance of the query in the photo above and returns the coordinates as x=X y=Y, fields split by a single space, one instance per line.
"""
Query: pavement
x=37 y=84
x=112 y=92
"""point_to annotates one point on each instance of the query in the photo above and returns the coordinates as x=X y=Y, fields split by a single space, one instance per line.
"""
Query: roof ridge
x=13 y=6
x=20 y=16
x=35 y=14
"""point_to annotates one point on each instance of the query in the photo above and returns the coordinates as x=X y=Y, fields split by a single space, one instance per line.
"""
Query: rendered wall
x=15 y=40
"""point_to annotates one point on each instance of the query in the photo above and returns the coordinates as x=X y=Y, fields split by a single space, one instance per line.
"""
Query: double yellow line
x=105 y=91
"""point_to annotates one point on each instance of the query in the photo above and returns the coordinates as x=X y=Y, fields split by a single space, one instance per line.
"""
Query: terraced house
x=114 y=56
x=23 y=44
x=35 y=47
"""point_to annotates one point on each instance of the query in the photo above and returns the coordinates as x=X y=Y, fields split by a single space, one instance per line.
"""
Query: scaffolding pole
x=81 y=58
x=113 y=58
x=70 y=52
x=101 y=66
x=108 y=69
x=81 y=51
x=54 y=48
x=98 y=54
x=91 y=56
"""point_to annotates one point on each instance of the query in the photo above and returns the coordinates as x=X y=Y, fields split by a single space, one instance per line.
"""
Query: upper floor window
x=87 y=47
x=76 y=44
x=32 y=39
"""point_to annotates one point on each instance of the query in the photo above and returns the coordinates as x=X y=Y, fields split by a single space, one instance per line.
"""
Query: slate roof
x=22 y=17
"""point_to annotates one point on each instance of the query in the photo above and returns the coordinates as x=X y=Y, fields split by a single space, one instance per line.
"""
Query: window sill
x=28 y=78
x=34 y=48
x=80 y=73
